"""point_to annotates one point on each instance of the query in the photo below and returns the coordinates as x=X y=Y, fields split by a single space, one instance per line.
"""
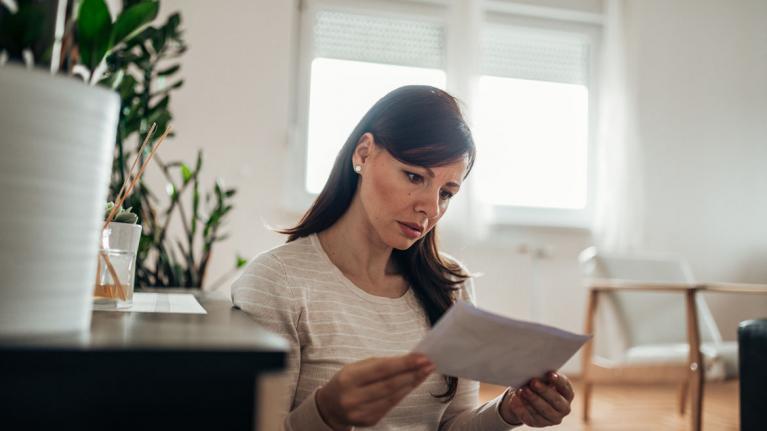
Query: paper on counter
x=184 y=303
x=475 y=344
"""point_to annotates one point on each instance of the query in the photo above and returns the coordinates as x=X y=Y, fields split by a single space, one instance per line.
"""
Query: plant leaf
x=173 y=22
x=195 y=202
x=145 y=243
x=94 y=32
x=171 y=189
x=113 y=80
x=169 y=70
x=241 y=261
x=158 y=41
x=126 y=217
x=21 y=30
x=176 y=85
x=132 y=19
x=186 y=173
x=162 y=105
x=161 y=117
x=198 y=163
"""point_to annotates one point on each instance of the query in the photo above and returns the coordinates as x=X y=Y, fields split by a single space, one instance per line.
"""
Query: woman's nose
x=429 y=204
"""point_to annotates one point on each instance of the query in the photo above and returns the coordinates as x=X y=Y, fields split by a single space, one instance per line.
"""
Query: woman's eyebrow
x=451 y=183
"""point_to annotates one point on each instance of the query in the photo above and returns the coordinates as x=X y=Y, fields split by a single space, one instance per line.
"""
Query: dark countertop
x=224 y=327
x=148 y=371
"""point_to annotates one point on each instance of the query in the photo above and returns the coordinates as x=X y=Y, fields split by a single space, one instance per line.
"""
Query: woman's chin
x=404 y=246
x=398 y=240
x=403 y=242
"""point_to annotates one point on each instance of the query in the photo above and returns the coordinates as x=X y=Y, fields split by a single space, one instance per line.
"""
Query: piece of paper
x=475 y=344
x=184 y=303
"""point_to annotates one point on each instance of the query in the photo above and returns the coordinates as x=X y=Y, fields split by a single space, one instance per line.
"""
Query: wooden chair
x=653 y=326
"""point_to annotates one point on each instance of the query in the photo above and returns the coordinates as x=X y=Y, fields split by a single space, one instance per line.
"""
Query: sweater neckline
x=315 y=240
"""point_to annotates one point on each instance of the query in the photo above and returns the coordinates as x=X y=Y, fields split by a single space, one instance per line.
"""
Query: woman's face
x=403 y=202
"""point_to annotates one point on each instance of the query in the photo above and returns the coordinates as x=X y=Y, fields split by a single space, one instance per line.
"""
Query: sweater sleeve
x=464 y=412
x=265 y=293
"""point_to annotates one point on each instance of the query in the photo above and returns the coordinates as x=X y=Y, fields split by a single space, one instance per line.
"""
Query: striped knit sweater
x=296 y=291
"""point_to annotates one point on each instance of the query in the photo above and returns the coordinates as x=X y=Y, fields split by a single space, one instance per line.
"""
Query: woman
x=360 y=281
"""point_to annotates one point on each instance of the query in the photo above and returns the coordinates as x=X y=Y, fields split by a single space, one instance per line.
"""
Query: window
x=530 y=110
x=532 y=121
x=356 y=59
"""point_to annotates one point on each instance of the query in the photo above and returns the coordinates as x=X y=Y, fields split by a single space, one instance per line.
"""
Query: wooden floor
x=642 y=408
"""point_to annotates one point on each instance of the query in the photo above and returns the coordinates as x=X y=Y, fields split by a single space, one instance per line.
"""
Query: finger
x=551 y=395
x=525 y=412
x=384 y=388
x=562 y=383
x=374 y=369
x=369 y=414
x=540 y=406
x=384 y=404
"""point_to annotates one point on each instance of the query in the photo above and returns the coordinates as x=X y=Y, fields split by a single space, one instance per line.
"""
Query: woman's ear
x=365 y=147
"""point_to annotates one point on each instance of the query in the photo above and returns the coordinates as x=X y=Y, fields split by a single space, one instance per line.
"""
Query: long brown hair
x=418 y=125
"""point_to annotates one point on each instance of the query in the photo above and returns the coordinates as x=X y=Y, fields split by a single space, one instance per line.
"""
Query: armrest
x=604 y=285
x=735 y=288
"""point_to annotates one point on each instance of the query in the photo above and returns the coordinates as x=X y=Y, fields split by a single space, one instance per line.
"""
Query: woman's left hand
x=539 y=403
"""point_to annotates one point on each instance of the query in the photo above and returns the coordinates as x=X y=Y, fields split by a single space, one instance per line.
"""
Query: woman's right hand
x=361 y=393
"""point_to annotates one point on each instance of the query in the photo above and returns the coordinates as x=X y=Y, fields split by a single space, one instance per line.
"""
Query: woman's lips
x=409 y=231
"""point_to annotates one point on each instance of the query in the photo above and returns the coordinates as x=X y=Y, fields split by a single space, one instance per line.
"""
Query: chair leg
x=683 y=391
x=587 y=357
x=587 y=387
x=696 y=371
x=696 y=402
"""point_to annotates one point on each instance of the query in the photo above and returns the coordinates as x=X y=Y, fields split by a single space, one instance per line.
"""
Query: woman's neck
x=356 y=249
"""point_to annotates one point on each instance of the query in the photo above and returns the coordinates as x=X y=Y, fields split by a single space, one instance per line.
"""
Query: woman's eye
x=446 y=195
x=414 y=178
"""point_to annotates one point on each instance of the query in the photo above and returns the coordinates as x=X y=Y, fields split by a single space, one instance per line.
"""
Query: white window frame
x=577 y=24
x=462 y=20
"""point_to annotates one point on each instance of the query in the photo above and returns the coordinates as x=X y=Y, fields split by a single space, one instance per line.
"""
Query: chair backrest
x=649 y=317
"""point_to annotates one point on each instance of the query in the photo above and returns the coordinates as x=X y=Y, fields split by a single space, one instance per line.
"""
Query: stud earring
x=357 y=168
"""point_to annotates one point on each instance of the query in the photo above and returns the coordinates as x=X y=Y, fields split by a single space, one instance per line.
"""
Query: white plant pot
x=56 y=141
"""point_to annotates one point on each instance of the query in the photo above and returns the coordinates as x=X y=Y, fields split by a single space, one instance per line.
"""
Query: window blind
x=379 y=39
x=533 y=54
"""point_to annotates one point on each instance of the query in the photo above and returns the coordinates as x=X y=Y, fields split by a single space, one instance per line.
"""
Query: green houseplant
x=141 y=63
x=145 y=71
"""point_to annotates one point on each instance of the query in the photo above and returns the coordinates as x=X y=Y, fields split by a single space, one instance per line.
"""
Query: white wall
x=235 y=106
x=703 y=123
x=702 y=70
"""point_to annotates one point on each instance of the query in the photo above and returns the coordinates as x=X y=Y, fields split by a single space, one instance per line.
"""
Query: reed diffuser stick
x=124 y=193
x=116 y=208
x=140 y=172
